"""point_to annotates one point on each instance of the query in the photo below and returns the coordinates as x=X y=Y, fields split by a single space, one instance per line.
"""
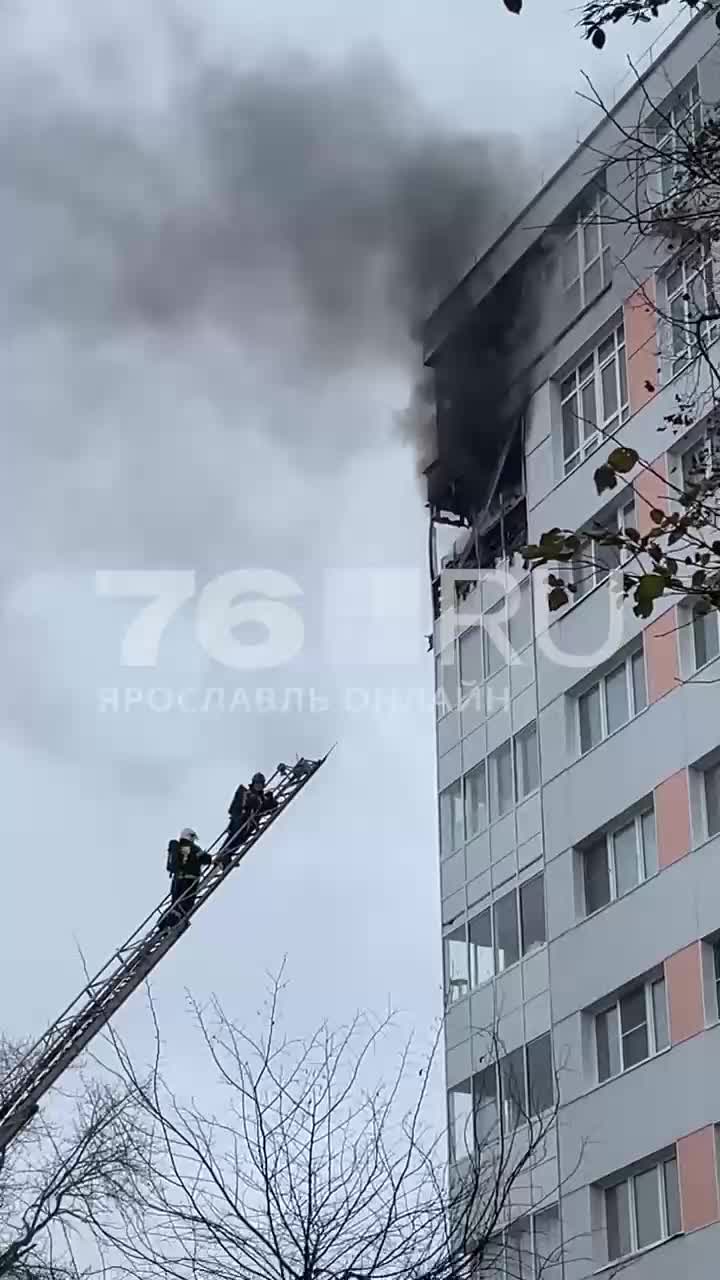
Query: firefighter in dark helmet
x=248 y=804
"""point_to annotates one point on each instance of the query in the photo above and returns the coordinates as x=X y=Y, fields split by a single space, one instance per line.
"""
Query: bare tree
x=303 y=1161
x=69 y=1169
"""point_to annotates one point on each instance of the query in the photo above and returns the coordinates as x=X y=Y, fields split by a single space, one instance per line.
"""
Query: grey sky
x=177 y=394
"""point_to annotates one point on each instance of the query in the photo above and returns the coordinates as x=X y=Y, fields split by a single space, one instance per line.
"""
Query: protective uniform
x=247 y=805
x=185 y=861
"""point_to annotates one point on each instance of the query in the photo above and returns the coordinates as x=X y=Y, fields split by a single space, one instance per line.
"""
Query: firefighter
x=247 y=805
x=185 y=861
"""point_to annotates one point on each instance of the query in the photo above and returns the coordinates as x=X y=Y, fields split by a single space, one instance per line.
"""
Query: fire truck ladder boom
x=36 y=1072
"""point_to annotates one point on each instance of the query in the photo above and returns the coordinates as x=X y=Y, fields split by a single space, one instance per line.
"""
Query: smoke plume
x=206 y=270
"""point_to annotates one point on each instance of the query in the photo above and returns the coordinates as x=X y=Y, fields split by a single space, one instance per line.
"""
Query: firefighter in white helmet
x=185 y=861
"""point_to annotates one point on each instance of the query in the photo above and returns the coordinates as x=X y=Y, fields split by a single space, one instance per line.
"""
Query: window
x=712 y=799
x=505 y=927
x=706 y=638
x=593 y=562
x=716 y=975
x=541 y=1081
x=495 y=639
x=643 y=1209
x=585 y=255
x=532 y=914
x=475 y=800
x=457 y=978
x=519 y=618
x=471 y=661
x=501 y=781
x=529 y=1249
x=690 y=294
x=446 y=685
x=485 y=1104
x=701 y=464
x=681 y=123
x=451 y=817
x=594 y=399
x=614 y=700
x=527 y=777
x=632 y=1029
x=460 y=1114
x=618 y=860
x=496 y=942
x=481 y=949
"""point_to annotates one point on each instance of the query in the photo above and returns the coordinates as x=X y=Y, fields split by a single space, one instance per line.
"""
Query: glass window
x=639 y=683
x=712 y=799
x=634 y=1028
x=481 y=948
x=475 y=800
x=594 y=399
x=680 y=124
x=520 y=618
x=660 y=1019
x=672 y=1197
x=456 y=964
x=647 y=1208
x=546 y=1231
x=607 y=1039
x=471 y=661
x=597 y=876
x=541 y=1081
x=526 y=762
x=617 y=699
x=501 y=782
x=446 y=681
x=507 y=949
x=690 y=295
x=649 y=843
x=512 y=1078
x=532 y=913
x=617 y=1214
x=460 y=1117
x=706 y=635
x=495 y=639
x=485 y=1102
x=716 y=964
x=625 y=854
x=590 y=719
x=451 y=818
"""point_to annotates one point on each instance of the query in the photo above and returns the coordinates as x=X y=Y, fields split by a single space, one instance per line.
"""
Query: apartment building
x=579 y=783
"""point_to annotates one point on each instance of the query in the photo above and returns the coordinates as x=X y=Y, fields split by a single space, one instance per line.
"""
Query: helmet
x=258 y=780
x=187 y=833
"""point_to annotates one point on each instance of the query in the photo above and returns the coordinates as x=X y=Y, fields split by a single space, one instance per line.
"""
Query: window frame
x=711 y=770
x=600 y=685
x=659 y=1166
x=450 y=849
x=716 y=976
x=587 y=576
x=592 y=210
x=607 y=837
x=593 y=368
x=524 y=949
x=696 y=613
x=450 y=984
x=670 y=126
x=677 y=357
x=502 y=1101
x=614 y=1007
x=536 y=1262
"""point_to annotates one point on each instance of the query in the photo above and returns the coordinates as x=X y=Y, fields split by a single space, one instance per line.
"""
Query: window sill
x=600 y=1084
x=584 y=754
x=609 y=1267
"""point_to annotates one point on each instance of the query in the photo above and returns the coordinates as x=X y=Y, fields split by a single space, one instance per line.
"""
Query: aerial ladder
x=22 y=1090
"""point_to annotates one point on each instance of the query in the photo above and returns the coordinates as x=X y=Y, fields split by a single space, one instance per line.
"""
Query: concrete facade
x=663 y=928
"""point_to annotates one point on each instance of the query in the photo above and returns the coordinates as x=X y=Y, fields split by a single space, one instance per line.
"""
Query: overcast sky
x=200 y=374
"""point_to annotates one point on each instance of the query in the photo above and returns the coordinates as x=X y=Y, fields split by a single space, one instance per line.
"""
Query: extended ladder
x=30 y=1079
